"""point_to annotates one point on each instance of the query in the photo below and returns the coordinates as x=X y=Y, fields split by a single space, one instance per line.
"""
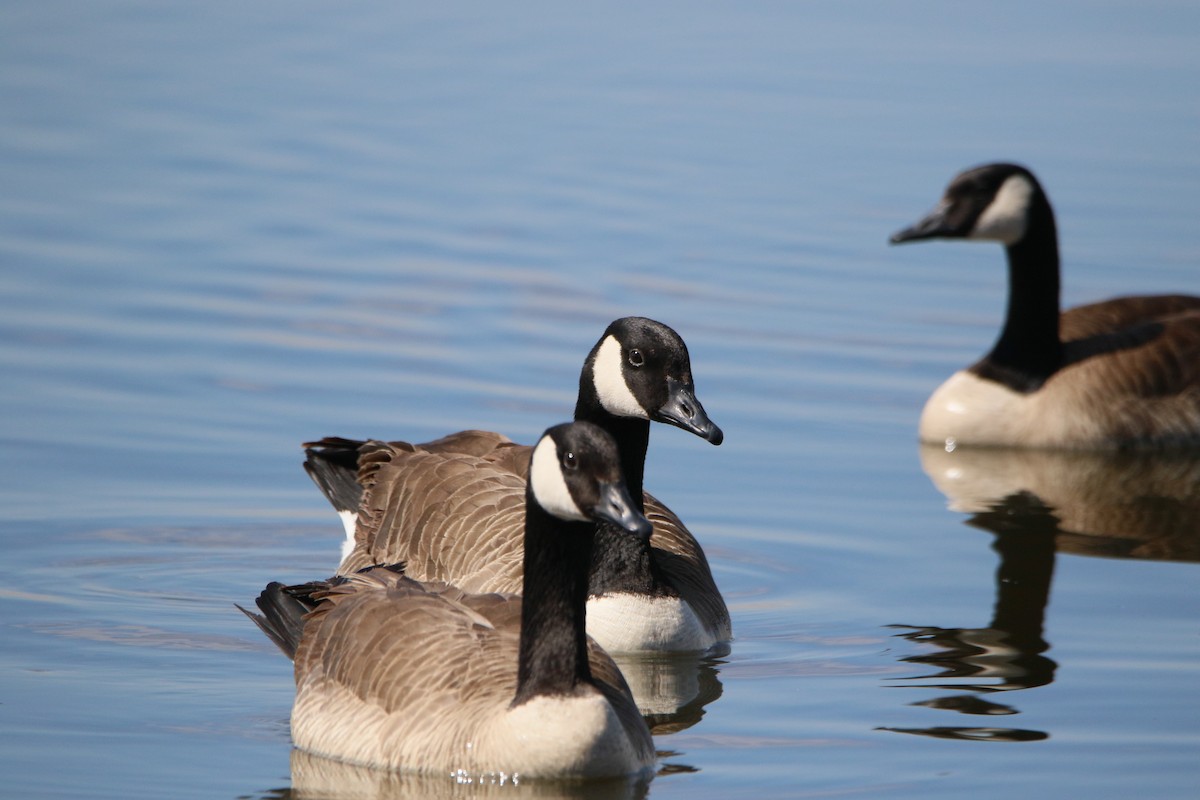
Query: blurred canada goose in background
x=1116 y=374
x=397 y=675
x=451 y=509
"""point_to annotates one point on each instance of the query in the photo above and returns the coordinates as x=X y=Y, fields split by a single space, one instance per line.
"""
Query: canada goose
x=1117 y=374
x=450 y=510
x=397 y=675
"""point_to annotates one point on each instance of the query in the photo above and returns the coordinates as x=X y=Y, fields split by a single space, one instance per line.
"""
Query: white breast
x=970 y=410
x=547 y=737
x=553 y=736
x=626 y=623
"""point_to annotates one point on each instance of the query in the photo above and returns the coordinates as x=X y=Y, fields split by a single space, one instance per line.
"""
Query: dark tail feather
x=332 y=463
x=284 y=608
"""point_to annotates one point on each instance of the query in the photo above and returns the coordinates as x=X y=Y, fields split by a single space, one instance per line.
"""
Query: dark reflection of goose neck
x=1025 y=541
x=1010 y=649
x=1006 y=655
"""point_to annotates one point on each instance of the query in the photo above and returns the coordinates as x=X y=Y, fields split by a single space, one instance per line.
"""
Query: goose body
x=451 y=508
x=395 y=674
x=1123 y=373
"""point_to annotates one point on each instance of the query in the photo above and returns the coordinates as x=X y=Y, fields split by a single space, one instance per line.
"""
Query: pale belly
x=628 y=623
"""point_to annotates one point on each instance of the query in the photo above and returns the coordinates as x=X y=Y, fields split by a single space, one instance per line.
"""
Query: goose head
x=640 y=369
x=994 y=202
x=575 y=475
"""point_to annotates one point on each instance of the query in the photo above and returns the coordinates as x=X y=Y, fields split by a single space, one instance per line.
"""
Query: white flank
x=349 y=522
x=628 y=623
x=609 y=378
x=546 y=480
x=1006 y=217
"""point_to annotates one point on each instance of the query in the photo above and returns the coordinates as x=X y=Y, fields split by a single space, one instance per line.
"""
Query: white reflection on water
x=314 y=777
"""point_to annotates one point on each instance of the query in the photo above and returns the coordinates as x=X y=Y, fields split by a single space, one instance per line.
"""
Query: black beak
x=931 y=226
x=683 y=410
x=615 y=506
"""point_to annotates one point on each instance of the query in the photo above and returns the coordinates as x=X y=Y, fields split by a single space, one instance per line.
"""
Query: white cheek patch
x=609 y=380
x=1006 y=217
x=549 y=488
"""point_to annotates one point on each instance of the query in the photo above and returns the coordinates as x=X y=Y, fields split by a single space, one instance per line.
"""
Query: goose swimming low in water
x=404 y=676
x=451 y=509
x=1123 y=373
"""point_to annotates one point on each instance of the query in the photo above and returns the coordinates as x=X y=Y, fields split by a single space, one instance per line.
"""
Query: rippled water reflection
x=1037 y=505
x=234 y=228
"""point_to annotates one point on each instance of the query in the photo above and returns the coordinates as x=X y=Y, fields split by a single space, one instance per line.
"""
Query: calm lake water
x=227 y=228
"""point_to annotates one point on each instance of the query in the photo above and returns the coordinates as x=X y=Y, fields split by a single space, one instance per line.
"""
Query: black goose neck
x=625 y=564
x=553 y=656
x=631 y=434
x=1029 y=350
x=619 y=562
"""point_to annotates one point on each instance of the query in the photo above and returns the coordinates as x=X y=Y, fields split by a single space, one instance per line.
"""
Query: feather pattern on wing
x=458 y=517
x=392 y=673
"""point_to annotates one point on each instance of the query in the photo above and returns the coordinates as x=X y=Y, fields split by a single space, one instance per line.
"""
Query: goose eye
x=570 y=461
x=636 y=359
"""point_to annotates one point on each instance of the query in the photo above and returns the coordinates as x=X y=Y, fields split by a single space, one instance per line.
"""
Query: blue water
x=228 y=228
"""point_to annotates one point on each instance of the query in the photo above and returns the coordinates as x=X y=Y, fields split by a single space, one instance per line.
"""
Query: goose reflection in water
x=671 y=689
x=1116 y=505
x=316 y=778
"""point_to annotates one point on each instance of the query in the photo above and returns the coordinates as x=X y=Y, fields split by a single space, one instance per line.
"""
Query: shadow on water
x=1037 y=504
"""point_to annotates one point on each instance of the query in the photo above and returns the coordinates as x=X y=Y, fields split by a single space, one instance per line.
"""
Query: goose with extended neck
x=1123 y=373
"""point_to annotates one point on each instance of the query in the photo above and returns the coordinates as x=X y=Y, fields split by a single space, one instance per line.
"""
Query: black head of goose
x=638 y=371
x=1116 y=374
x=397 y=675
x=446 y=509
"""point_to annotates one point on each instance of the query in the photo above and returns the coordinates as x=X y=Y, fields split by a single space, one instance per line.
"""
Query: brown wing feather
x=447 y=516
x=385 y=646
x=679 y=555
x=394 y=673
x=424 y=504
x=1135 y=362
x=1117 y=314
x=469 y=443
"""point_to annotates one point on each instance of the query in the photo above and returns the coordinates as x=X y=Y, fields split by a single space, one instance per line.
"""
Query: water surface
x=227 y=229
